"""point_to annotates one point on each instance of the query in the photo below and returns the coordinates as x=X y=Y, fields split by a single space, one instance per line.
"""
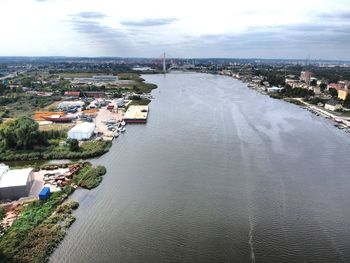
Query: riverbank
x=340 y=122
x=87 y=150
x=42 y=224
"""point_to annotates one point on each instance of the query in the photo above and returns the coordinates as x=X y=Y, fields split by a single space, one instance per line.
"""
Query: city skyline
x=249 y=29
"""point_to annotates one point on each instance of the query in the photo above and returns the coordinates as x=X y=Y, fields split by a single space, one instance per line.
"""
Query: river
x=219 y=173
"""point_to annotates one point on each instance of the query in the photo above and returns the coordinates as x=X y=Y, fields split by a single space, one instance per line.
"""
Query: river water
x=219 y=173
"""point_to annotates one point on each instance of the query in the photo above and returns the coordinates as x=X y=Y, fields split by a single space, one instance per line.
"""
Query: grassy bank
x=139 y=102
x=43 y=224
x=89 y=149
x=39 y=229
x=139 y=85
x=130 y=76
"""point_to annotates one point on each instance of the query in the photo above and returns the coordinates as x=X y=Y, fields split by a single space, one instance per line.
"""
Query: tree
x=323 y=87
x=73 y=145
x=51 y=108
x=333 y=92
x=2 y=88
x=6 y=114
x=287 y=86
x=26 y=82
x=297 y=92
x=346 y=103
x=22 y=133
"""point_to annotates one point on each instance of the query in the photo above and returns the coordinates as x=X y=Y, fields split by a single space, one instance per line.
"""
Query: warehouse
x=15 y=184
x=82 y=131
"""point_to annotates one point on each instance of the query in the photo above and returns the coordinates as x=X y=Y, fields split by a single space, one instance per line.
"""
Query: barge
x=136 y=114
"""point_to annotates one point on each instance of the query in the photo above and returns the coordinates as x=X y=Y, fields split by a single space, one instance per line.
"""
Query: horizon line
x=184 y=58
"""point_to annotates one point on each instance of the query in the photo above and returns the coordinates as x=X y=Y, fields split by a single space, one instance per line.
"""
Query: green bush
x=87 y=150
x=101 y=170
x=90 y=177
x=73 y=145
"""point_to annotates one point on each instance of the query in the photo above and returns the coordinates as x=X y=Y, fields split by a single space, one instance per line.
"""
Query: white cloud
x=182 y=28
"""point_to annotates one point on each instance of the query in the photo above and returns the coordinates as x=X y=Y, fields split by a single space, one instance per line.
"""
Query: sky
x=298 y=29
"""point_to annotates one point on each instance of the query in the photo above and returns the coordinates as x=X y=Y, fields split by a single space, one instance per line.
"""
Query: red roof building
x=72 y=93
x=336 y=86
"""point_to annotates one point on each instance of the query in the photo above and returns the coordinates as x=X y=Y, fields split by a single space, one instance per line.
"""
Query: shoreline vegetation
x=42 y=225
x=88 y=150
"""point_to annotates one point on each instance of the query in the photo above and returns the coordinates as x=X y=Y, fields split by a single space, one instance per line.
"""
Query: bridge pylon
x=164 y=64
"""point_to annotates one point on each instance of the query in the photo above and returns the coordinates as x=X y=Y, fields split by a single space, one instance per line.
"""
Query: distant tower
x=164 y=66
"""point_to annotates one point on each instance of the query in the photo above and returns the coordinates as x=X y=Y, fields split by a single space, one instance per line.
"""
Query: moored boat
x=58 y=118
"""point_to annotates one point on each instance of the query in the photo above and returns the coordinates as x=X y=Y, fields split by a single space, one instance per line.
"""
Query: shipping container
x=44 y=193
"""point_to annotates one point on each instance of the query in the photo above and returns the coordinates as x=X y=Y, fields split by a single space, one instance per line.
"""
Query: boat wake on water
x=251 y=241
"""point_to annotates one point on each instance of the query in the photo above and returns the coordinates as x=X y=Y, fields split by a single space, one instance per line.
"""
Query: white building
x=82 y=131
x=274 y=90
x=333 y=105
x=15 y=184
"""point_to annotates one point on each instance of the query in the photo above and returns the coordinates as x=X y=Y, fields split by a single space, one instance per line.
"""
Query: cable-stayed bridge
x=169 y=63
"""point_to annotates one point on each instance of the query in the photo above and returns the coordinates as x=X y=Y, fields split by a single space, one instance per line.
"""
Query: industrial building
x=104 y=78
x=96 y=79
x=72 y=93
x=15 y=184
x=82 y=131
x=136 y=114
x=68 y=104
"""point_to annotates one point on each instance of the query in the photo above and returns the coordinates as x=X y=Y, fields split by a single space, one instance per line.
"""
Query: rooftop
x=3 y=169
x=83 y=127
x=16 y=177
x=333 y=102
